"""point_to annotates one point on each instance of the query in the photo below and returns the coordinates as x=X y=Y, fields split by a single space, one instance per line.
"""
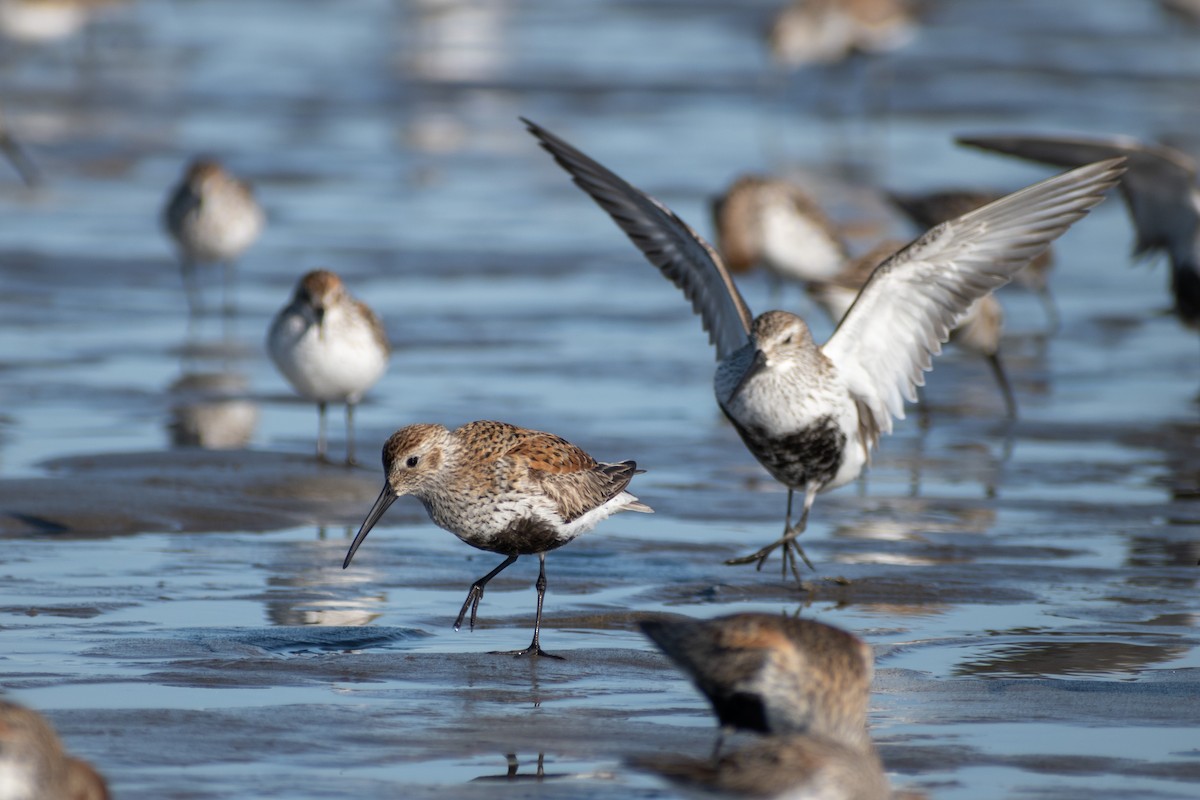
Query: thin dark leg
x=321 y=432
x=535 y=648
x=923 y=416
x=190 y=286
x=476 y=593
x=1010 y=402
x=350 y=462
x=1053 y=318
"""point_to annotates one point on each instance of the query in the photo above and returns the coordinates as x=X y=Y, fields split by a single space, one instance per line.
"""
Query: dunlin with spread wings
x=811 y=414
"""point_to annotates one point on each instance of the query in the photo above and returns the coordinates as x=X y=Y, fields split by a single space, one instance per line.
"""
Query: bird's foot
x=790 y=550
x=533 y=651
x=472 y=602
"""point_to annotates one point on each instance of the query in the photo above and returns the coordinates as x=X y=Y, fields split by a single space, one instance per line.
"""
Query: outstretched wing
x=912 y=301
x=1157 y=186
x=666 y=241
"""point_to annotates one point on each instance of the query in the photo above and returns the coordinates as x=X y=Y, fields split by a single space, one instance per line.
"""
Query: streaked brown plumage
x=503 y=489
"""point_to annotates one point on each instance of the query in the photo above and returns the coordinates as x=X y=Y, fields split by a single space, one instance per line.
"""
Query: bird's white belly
x=798 y=248
x=331 y=367
x=777 y=407
x=212 y=235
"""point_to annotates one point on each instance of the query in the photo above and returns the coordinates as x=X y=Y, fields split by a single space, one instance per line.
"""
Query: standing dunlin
x=503 y=489
x=978 y=329
x=934 y=208
x=811 y=414
x=773 y=222
x=213 y=218
x=330 y=347
x=804 y=683
x=1159 y=190
x=33 y=764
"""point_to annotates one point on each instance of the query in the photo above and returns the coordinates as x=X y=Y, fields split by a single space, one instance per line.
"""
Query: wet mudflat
x=181 y=614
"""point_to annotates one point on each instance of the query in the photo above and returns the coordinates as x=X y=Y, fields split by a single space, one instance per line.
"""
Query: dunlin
x=213 y=218
x=503 y=489
x=772 y=222
x=977 y=330
x=828 y=31
x=811 y=414
x=1160 y=194
x=934 y=208
x=804 y=683
x=774 y=674
x=330 y=347
x=33 y=764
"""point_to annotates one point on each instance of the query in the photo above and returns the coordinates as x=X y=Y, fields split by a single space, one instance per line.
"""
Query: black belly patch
x=526 y=537
x=741 y=710
x=810 y=455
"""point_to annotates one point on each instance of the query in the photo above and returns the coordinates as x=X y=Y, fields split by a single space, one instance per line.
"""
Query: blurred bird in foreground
x=213 y=218
x=803 y=683
x=1160 y=193
x=811 y=414
x=34 y=765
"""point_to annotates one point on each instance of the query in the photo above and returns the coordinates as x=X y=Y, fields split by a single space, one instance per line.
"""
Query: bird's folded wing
x=1157 y=186
x=912 y=301
x=546 y=464
x=666 y=241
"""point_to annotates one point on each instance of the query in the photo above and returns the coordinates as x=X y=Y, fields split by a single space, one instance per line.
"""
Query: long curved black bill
x=385 y=499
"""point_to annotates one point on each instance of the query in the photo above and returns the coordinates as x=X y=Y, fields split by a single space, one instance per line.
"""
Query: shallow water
x=182 y=615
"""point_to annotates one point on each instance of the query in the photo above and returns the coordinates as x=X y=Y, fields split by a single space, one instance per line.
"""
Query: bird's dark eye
x=788 y=340
x=412 y=461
